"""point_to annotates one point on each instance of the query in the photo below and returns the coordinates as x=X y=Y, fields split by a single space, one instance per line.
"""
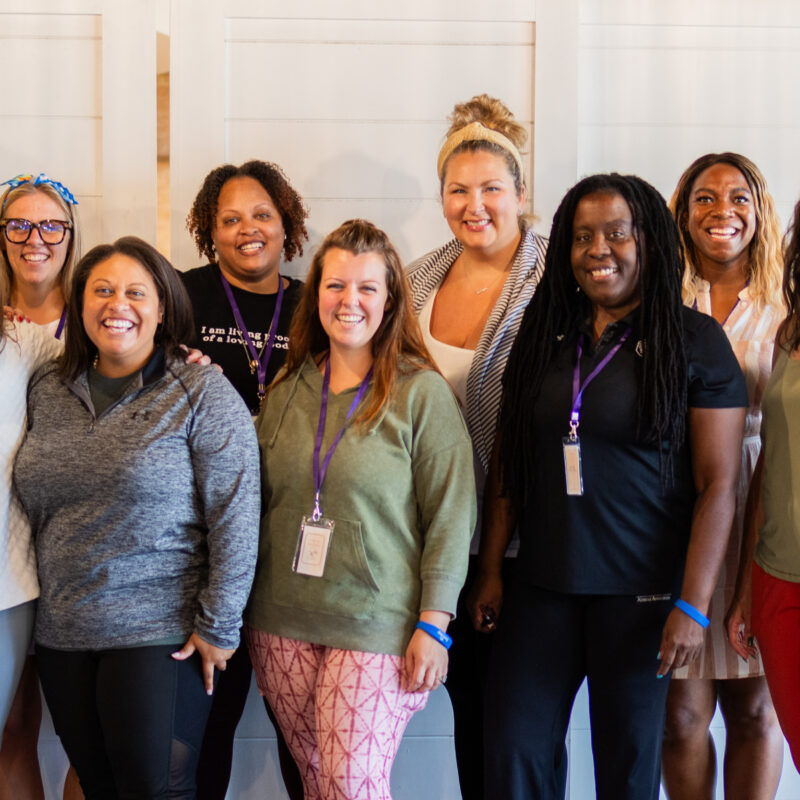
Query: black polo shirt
x=217 y=334
x=626 y=534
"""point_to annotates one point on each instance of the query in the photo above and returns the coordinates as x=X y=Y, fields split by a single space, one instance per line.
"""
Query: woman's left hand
x=716 y=446
x=426 y=659
x=212 y=657
x=195 y=356
x=681 y=641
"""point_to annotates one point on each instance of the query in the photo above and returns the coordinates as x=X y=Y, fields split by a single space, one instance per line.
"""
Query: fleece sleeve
x=227 y=479
x=444 y=482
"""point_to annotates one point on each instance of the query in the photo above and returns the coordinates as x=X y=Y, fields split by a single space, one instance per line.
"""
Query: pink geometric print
x=343 y=713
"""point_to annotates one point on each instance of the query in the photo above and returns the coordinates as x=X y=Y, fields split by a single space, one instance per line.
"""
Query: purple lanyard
x=321 y=471
x=260 y=363
x=578 y=388
x=61 y=322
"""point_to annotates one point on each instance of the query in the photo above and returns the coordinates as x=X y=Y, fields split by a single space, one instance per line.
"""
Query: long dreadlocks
x=559 y=308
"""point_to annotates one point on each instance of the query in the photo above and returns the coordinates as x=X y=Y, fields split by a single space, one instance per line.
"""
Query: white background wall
x=350 y=99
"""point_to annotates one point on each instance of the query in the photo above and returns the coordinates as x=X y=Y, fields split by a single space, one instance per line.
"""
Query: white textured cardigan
x=24 y=348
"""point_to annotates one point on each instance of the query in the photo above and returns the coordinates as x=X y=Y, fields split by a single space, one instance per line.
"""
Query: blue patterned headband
x=41 y=178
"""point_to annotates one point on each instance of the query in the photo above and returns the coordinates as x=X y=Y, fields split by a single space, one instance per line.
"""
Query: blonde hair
x=70 y=215
x=493 y=114
x=765 y=262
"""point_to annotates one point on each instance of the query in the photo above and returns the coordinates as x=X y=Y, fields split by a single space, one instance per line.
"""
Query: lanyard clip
x=316 y=515
x=574 y=421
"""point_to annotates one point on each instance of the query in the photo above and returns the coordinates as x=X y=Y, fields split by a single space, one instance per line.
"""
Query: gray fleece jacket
x=145 y=517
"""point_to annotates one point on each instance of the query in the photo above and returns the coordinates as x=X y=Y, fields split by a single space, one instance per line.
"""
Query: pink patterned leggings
x=342 y=712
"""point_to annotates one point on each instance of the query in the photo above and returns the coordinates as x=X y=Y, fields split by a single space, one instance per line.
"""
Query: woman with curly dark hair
x=617 y=458
x=244 y=220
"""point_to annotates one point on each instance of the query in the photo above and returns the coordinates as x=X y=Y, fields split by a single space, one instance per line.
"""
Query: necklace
x=257 y=359
x=493 y=284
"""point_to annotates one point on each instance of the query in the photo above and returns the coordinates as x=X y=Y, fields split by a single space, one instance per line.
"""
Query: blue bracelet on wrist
x=691 y=611
x=443 y=638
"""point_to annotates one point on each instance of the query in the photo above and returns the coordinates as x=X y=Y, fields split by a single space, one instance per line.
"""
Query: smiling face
x=248 y=235
x=721 y=218
x=480 y=203
x=34 y=263
x=121 y=311
x=352 y=299
x=604 y=256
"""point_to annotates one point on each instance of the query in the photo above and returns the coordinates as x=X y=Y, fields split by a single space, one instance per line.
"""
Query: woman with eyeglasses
x=39 y=247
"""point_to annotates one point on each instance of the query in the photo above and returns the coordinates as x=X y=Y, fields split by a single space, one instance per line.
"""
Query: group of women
x=600 y=394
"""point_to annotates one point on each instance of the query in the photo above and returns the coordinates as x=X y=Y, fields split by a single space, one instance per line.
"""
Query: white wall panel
x=661 y=84
x=352 y=109
x=652 y=152
x=87 y=112
x=715 y=13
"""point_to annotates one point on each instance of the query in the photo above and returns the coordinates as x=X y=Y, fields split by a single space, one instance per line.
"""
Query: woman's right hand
x=485 y=600
x=14 y=314
x=738 y=624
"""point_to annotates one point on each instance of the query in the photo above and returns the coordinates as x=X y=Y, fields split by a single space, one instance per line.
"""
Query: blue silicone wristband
x=692 y=612
x=443 y=638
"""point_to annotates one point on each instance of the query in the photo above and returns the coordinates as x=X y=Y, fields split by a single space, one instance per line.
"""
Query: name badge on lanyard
x=314 y=539
x=571 y=443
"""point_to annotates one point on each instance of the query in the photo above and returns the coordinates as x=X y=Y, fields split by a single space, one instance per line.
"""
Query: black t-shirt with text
x=217 y=333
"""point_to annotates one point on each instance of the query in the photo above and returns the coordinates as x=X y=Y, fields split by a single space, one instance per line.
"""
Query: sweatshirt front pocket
x=347 y=588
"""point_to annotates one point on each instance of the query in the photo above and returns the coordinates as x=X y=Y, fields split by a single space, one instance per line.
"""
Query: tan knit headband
x=476 y=132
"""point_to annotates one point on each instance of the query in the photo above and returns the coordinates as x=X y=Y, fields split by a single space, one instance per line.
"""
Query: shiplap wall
x=662 y=83
x=79 y=104
x=349 y=98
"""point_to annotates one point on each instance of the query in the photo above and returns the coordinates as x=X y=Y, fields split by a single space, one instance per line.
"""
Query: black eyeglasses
x=52 y=231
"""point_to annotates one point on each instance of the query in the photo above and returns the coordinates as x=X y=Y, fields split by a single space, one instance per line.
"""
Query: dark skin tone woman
x=611 y=537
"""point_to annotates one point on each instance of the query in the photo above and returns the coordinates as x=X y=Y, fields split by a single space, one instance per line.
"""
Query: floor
x=425 y=767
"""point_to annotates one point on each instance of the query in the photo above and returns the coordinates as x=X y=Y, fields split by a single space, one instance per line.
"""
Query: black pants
x=131 y=720
x=467 y=673
x=546 y=644
x=216 y=755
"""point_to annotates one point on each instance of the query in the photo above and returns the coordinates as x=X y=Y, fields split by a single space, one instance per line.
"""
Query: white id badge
x=312 y=546
x=572 y=466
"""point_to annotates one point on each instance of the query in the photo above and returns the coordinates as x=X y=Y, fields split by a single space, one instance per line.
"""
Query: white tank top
x=453 y=362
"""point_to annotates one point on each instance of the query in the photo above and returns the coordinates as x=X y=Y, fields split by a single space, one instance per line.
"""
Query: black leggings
x=131 y=720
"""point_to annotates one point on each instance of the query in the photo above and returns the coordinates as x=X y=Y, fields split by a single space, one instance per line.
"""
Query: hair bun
x=490 y=112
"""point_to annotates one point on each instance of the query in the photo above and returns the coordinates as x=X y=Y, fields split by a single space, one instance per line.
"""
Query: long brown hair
x=397 y=345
